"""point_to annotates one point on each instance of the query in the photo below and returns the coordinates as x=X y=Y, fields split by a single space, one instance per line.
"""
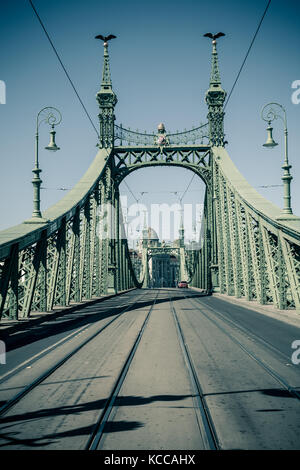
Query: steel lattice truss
x=247 y=248
x=258 y=256
x=244 y=252
x=67 y=261
x=195 y=158
x=195 y=136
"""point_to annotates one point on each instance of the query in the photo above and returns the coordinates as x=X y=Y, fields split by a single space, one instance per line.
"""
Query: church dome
x=152 y=235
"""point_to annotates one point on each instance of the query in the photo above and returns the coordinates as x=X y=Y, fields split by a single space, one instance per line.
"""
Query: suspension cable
x=63 y=67
x=84 y=108
x=187 y=187
x=68 y=76
x=130 y=191
x=254 y=37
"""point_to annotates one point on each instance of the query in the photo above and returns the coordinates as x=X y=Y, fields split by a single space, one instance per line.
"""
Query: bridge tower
x=110 y=206
x=145 y=260
x=215 y=97
x=182 y=264
x=247 y=249
x=107 y=100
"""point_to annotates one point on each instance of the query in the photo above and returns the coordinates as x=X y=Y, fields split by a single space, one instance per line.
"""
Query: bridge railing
x=196 y=135
x=258 y=246
x=64 y=260
x=198 y=257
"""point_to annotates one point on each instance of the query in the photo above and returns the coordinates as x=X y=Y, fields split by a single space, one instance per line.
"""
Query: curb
x=24 y=323
x=288 y=316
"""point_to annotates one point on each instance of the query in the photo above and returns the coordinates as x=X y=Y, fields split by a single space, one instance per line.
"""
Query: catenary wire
x=85 y=110
x=63 y=67
x=246 y=56
x=67 y=75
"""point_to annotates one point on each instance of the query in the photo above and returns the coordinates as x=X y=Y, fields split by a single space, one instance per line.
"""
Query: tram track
x=205 y=423
x=274 y=374
x=250 y=334
x=95 y=438
x=206 y=427
x=31 y=386
x=148 y=380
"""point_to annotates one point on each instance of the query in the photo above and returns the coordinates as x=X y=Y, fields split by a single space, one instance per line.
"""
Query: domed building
x=163 y=264
x=153 y=239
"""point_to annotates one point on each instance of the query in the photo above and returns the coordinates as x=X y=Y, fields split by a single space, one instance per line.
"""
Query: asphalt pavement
x=138 y=366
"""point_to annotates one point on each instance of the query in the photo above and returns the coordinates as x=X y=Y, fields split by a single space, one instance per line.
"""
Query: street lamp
x=52 y=117
x=270 y=112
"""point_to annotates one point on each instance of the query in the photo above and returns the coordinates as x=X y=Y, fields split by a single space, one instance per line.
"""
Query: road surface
x=152 y=369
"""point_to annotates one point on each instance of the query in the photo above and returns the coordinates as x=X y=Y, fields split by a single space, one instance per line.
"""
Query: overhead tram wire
x=65 y=70
x=246 y=56
x=82 y=104
x=63 y=67
x=131 y=192
x=244 y=61
x=235 y=82
x=165 y=191
x=187 y=187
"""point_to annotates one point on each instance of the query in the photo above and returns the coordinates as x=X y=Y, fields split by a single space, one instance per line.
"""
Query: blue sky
x=160 y=66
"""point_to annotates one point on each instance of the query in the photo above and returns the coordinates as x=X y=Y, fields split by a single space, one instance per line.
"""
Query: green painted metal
x=107 y=100
x=270 y=112
x=52 y=117
x=269 y=246
x=248 y=247
x=215 y=97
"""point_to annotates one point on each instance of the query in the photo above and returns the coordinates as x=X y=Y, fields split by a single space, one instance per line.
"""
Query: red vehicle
x=183 y=284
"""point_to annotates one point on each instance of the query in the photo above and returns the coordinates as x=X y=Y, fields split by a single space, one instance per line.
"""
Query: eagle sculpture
x=213 y=36
x=105 y=38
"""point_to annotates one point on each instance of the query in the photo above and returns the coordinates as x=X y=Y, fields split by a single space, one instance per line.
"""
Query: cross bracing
x=248 y=248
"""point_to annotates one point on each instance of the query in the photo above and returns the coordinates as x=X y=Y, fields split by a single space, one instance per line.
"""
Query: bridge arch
x=203 y=171
x=250 y=248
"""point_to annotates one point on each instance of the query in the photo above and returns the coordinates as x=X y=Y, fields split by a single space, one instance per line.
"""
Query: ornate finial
x=145 y=230
x=106 y=79
x=105 y=38
x=215 y=97
x=181 y=227
x=106 y=99
x=215 y=79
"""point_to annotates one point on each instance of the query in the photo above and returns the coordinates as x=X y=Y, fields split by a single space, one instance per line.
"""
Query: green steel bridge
x=78 y=249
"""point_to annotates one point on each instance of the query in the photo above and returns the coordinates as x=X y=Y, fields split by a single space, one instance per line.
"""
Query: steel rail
x=205 y=422
x=13 y=401
x=281 y=380
x=95 y=438
x=254 y=336
x=31 y=360
x=254 y=201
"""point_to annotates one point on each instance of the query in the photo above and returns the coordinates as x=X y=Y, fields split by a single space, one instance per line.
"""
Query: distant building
x=163 y=260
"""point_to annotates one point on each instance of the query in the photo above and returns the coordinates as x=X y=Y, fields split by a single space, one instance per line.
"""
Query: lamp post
x=52 y=117
x=270 y=112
